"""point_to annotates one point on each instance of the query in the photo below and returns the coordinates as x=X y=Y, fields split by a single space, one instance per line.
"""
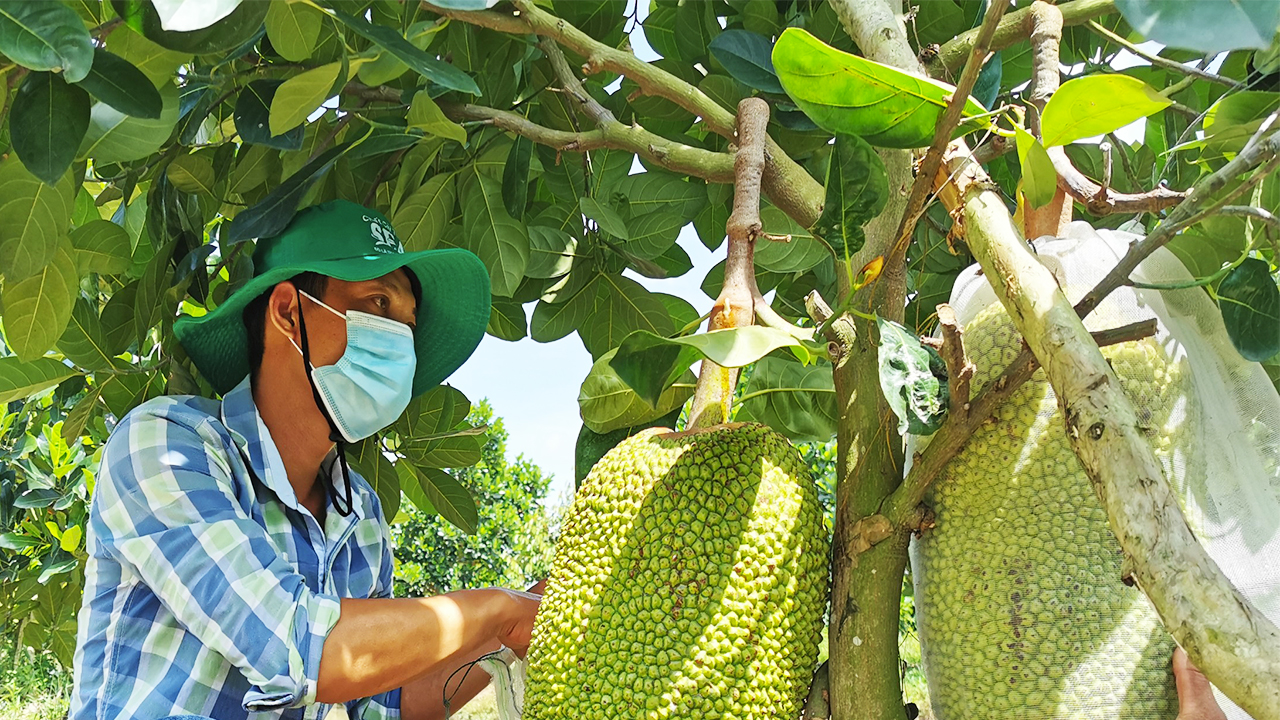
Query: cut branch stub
x=735 y=307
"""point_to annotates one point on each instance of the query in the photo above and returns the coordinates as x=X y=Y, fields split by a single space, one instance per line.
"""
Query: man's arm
x=381 y=644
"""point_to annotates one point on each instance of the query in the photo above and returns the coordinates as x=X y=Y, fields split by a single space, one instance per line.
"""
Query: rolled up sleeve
x=169 y=509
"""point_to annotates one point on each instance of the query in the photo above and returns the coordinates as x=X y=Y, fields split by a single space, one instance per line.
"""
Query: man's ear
x=282 y=311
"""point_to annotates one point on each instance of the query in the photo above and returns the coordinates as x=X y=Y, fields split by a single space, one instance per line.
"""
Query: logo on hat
x=384 y=237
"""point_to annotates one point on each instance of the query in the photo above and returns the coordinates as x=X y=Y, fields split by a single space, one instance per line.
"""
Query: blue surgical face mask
x=372 y=383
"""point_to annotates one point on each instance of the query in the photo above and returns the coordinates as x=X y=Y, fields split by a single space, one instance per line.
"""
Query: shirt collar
x=253 y=439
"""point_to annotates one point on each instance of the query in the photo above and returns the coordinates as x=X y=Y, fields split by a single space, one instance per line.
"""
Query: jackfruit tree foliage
x=137 y=163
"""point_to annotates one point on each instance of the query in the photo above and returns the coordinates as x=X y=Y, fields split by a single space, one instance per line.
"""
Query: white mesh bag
x=1018 y=593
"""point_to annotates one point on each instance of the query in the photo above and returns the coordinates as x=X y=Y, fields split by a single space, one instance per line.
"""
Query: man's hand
x=1195 y=695
x=519 y=626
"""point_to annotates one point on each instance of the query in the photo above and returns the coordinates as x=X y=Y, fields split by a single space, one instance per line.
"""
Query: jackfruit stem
x=739 y=297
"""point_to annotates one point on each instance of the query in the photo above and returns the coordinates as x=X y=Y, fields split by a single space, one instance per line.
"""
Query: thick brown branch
x=1089 y=193
x=1044 y=23
x=959 y=369
x=787 y=184
x=1011 y=30
x=1196 y=203
x=928 y=169
x=735 y=307
x=818 y=704
x=958 y=428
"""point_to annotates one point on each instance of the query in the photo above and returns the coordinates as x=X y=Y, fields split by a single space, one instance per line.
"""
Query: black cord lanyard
x=334 y=435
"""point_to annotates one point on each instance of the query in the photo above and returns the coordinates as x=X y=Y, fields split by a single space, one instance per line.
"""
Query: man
x=238 y=568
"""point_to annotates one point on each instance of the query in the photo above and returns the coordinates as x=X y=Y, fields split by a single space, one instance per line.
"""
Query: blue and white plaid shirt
x=209 y=588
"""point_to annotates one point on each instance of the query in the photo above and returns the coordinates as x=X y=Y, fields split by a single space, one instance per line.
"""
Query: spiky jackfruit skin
x=689 y=581
x=1021 y=609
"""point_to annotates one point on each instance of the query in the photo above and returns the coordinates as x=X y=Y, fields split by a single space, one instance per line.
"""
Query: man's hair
x=255 y=315
x=314 y=284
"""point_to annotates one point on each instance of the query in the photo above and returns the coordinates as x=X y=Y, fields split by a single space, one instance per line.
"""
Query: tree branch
x=787 y=184
x=1044 y=24
x=1158 y=61
x=1011 y=30
x=959 y=369
x=1237 y=647
x=1189 y=211
x=1089 y=193
x=928 y=169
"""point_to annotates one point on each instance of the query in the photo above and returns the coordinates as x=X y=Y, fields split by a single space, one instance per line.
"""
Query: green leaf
x=114 y=137
x=1250 y=304
x=421 y=219
x=426 y=115
x=36 y=498
x=70 y=540
x=434 y=414
x=255 y=165
x=500 y=241
x=14 y=541
x=47 y=120
x=449 y=498
x=294 y=29
x=1207 y=26
x=37 y=308
x=844 y=93
x=411 y=488
x=457 y=450
x=300 y=95
x=507 y=320
x=604 y=216
x=797 y=400
x=253 y=117
x=367 y=459
x=660 y=190
x=392 y=41
x=120 y=84
x=156 y=62
x=1096 y=105
x=1039 y=178
x=649 y=363
x=147 y=305
x=466 y=4
x=554 y=320
x=913 y=379
x=102 y=247
x=43 y=35
x=857 y=189
x=192 y=174
x=48 y=572
x=271 y=214
x=515 y=177
x=33 y=216
x=83 y=342
x=551 y=252
x=622 y=306
x=1233 y=119
x=607 y=403
x=20 y=380
x=74 y=424
x=802 y=252
x=745 y=55
x=117 y=319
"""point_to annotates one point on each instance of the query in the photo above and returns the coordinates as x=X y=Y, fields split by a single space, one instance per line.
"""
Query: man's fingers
x=1195 y=694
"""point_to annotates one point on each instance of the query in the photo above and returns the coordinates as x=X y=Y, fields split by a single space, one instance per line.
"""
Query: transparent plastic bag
x=1017 y=588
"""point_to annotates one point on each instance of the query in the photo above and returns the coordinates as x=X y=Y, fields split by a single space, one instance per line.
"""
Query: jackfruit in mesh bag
x=1018 y=594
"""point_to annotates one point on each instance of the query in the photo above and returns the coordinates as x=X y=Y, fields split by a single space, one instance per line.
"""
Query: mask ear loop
x=334 y=435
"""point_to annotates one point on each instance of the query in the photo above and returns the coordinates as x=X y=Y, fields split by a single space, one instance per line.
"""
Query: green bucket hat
x=343 y=240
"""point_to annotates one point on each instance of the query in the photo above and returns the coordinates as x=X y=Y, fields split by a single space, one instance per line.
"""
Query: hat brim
x=453 y=313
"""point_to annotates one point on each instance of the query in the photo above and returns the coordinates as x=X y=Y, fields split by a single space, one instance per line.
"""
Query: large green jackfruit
x=689 y=581
x=1021 y=608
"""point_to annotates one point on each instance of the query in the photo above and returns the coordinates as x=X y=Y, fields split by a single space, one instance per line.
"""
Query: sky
x=533 y=386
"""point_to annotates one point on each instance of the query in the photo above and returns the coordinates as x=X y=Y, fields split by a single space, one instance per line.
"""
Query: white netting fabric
x=1006 y=622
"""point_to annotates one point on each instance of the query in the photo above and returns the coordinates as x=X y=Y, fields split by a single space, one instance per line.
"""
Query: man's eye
x=381 y=302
